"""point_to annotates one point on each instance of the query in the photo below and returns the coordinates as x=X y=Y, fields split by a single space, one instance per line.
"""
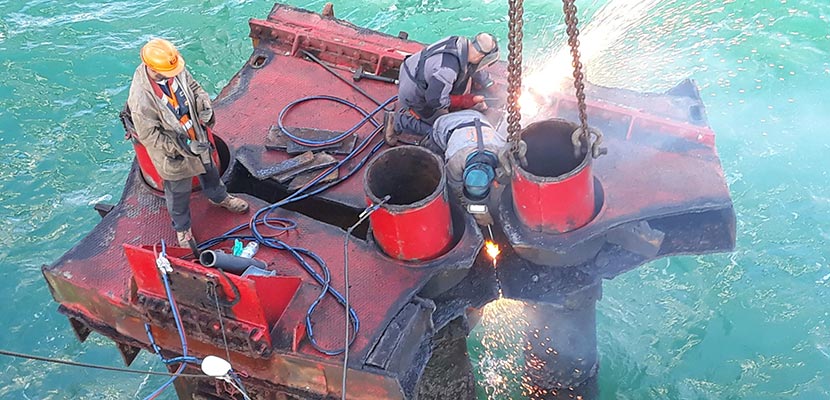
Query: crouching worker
x=436 y=80
x=171 y=112
x=471 y=148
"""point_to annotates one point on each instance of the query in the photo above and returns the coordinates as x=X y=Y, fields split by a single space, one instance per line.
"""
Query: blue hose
x=179 y=327
x=174 y=360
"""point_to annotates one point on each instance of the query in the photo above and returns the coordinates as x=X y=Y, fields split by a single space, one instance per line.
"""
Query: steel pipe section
x=554 y=191
x=415 y=224
x=561 y=347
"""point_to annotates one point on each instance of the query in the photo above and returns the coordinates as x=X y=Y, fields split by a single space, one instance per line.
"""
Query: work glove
x=465 y=101
x=198 y=147
x=390 y=134
x=205 y=111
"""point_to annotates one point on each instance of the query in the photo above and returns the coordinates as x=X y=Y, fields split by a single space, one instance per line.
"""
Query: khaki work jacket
x=160 y=131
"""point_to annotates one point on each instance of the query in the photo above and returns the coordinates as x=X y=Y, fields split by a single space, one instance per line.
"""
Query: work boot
x=389 y=133
x=233 y=204
x=184 y=238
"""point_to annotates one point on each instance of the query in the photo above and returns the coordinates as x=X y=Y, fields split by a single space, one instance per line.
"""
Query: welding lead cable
x=95 y=366
x=367 y=117
x=346 y=293
x=365 y=214
x=179 y=327
x=237 y=384
x=221 y=320
x=326 y=284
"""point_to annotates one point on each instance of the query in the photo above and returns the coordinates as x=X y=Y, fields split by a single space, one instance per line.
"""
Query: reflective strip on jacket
x=177 y=102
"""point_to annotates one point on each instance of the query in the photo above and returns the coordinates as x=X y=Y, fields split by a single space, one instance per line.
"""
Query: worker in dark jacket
x=170 y=111
x=436 y=80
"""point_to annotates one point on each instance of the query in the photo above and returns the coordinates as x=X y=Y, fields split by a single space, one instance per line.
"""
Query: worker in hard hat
x=472 y=148
x=171 y=113
x=437 y=80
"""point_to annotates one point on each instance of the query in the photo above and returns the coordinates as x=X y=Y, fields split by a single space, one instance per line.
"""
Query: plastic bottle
x=237 y=247
x=250 y=249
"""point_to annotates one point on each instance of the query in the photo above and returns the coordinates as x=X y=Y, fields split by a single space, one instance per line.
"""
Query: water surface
x=752 y=324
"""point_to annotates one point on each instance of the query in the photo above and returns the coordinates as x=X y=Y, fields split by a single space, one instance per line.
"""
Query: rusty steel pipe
x=415 y=224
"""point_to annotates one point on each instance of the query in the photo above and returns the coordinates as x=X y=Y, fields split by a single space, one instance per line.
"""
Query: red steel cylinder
x=415 y=224
x=145 y=164
x=554 y=193
x=149 y=172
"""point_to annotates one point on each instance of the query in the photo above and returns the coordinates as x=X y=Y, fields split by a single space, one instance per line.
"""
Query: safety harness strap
x=479 y=135
x=470 y=124
x=447 y=47
x=175 y=100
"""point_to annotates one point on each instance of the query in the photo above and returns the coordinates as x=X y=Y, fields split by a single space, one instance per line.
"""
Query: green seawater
x=752 y=324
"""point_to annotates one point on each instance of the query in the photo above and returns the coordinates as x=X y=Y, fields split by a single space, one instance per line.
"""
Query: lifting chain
x=581 y=137
x=514 y=73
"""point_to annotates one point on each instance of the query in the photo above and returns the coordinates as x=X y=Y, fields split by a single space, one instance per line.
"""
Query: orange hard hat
x=162 y=57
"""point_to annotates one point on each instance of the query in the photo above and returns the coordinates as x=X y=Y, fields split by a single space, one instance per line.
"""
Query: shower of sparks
x=607 y=29
x=499 y=340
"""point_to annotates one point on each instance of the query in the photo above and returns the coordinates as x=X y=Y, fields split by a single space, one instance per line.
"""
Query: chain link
x=583 y=142
x=514 y=73
x=569 y=8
